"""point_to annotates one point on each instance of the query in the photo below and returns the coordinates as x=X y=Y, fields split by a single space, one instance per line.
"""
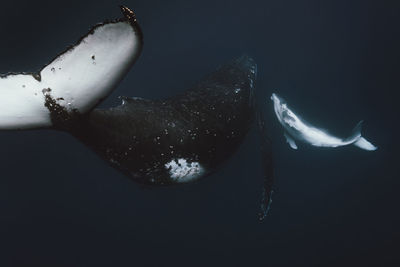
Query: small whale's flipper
x=290 y=140
x=359 y=141
x=76 y=80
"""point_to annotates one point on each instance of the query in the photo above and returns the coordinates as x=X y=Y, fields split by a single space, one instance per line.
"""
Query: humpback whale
x=297 y=129
x=154 y=142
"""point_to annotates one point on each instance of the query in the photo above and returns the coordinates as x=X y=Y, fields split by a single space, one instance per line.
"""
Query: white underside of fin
x=78 y=79
x=290 y=141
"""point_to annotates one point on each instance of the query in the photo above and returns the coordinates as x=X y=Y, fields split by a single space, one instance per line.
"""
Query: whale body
x=175 y=140
x=297 y=129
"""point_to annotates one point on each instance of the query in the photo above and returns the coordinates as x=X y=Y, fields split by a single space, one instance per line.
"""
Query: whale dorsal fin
x=290 y=140
x=76 y=80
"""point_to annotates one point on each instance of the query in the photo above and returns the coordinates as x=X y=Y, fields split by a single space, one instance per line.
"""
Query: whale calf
x=161 y=142
x=297 y=129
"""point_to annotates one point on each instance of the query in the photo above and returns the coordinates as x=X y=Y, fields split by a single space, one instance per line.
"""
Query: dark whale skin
x=205 y=124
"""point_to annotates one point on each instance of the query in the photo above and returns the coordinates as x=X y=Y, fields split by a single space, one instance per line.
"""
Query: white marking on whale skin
x=78 y=79
x=182 y=171
x=296 y=128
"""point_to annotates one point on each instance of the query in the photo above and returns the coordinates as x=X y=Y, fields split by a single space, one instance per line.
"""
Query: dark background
x=335 y=62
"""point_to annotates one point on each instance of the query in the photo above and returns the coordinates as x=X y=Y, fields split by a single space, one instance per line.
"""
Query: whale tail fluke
x=355 y=134
x=76 y=81
x=364 y=144
x=359 y=141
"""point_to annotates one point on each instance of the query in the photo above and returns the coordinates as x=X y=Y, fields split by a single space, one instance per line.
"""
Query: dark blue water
x=335 y=62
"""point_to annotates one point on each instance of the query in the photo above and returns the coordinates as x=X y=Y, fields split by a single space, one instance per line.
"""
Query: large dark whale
x=154 y=142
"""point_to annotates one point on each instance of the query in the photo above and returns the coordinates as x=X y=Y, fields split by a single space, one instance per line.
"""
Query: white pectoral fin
x=77 y=79
x=290 y=141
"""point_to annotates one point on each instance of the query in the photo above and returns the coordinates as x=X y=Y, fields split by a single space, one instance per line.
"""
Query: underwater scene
x=199 y=133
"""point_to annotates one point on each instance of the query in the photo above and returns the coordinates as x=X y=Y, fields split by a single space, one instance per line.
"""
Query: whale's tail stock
x=359 y=141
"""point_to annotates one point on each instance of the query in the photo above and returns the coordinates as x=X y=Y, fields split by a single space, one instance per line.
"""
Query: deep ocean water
x=337 y=62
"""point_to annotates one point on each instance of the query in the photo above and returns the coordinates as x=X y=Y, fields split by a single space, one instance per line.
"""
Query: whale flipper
x=76 y=80
x=268 y=166
x=290 y=141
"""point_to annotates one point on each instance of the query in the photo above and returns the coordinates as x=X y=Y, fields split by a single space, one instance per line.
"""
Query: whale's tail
x=76 y=81
x=364 y=144
x=359 y=141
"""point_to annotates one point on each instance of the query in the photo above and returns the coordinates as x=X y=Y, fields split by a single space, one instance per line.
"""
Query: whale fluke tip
x=128 y=13
x=365 y=144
